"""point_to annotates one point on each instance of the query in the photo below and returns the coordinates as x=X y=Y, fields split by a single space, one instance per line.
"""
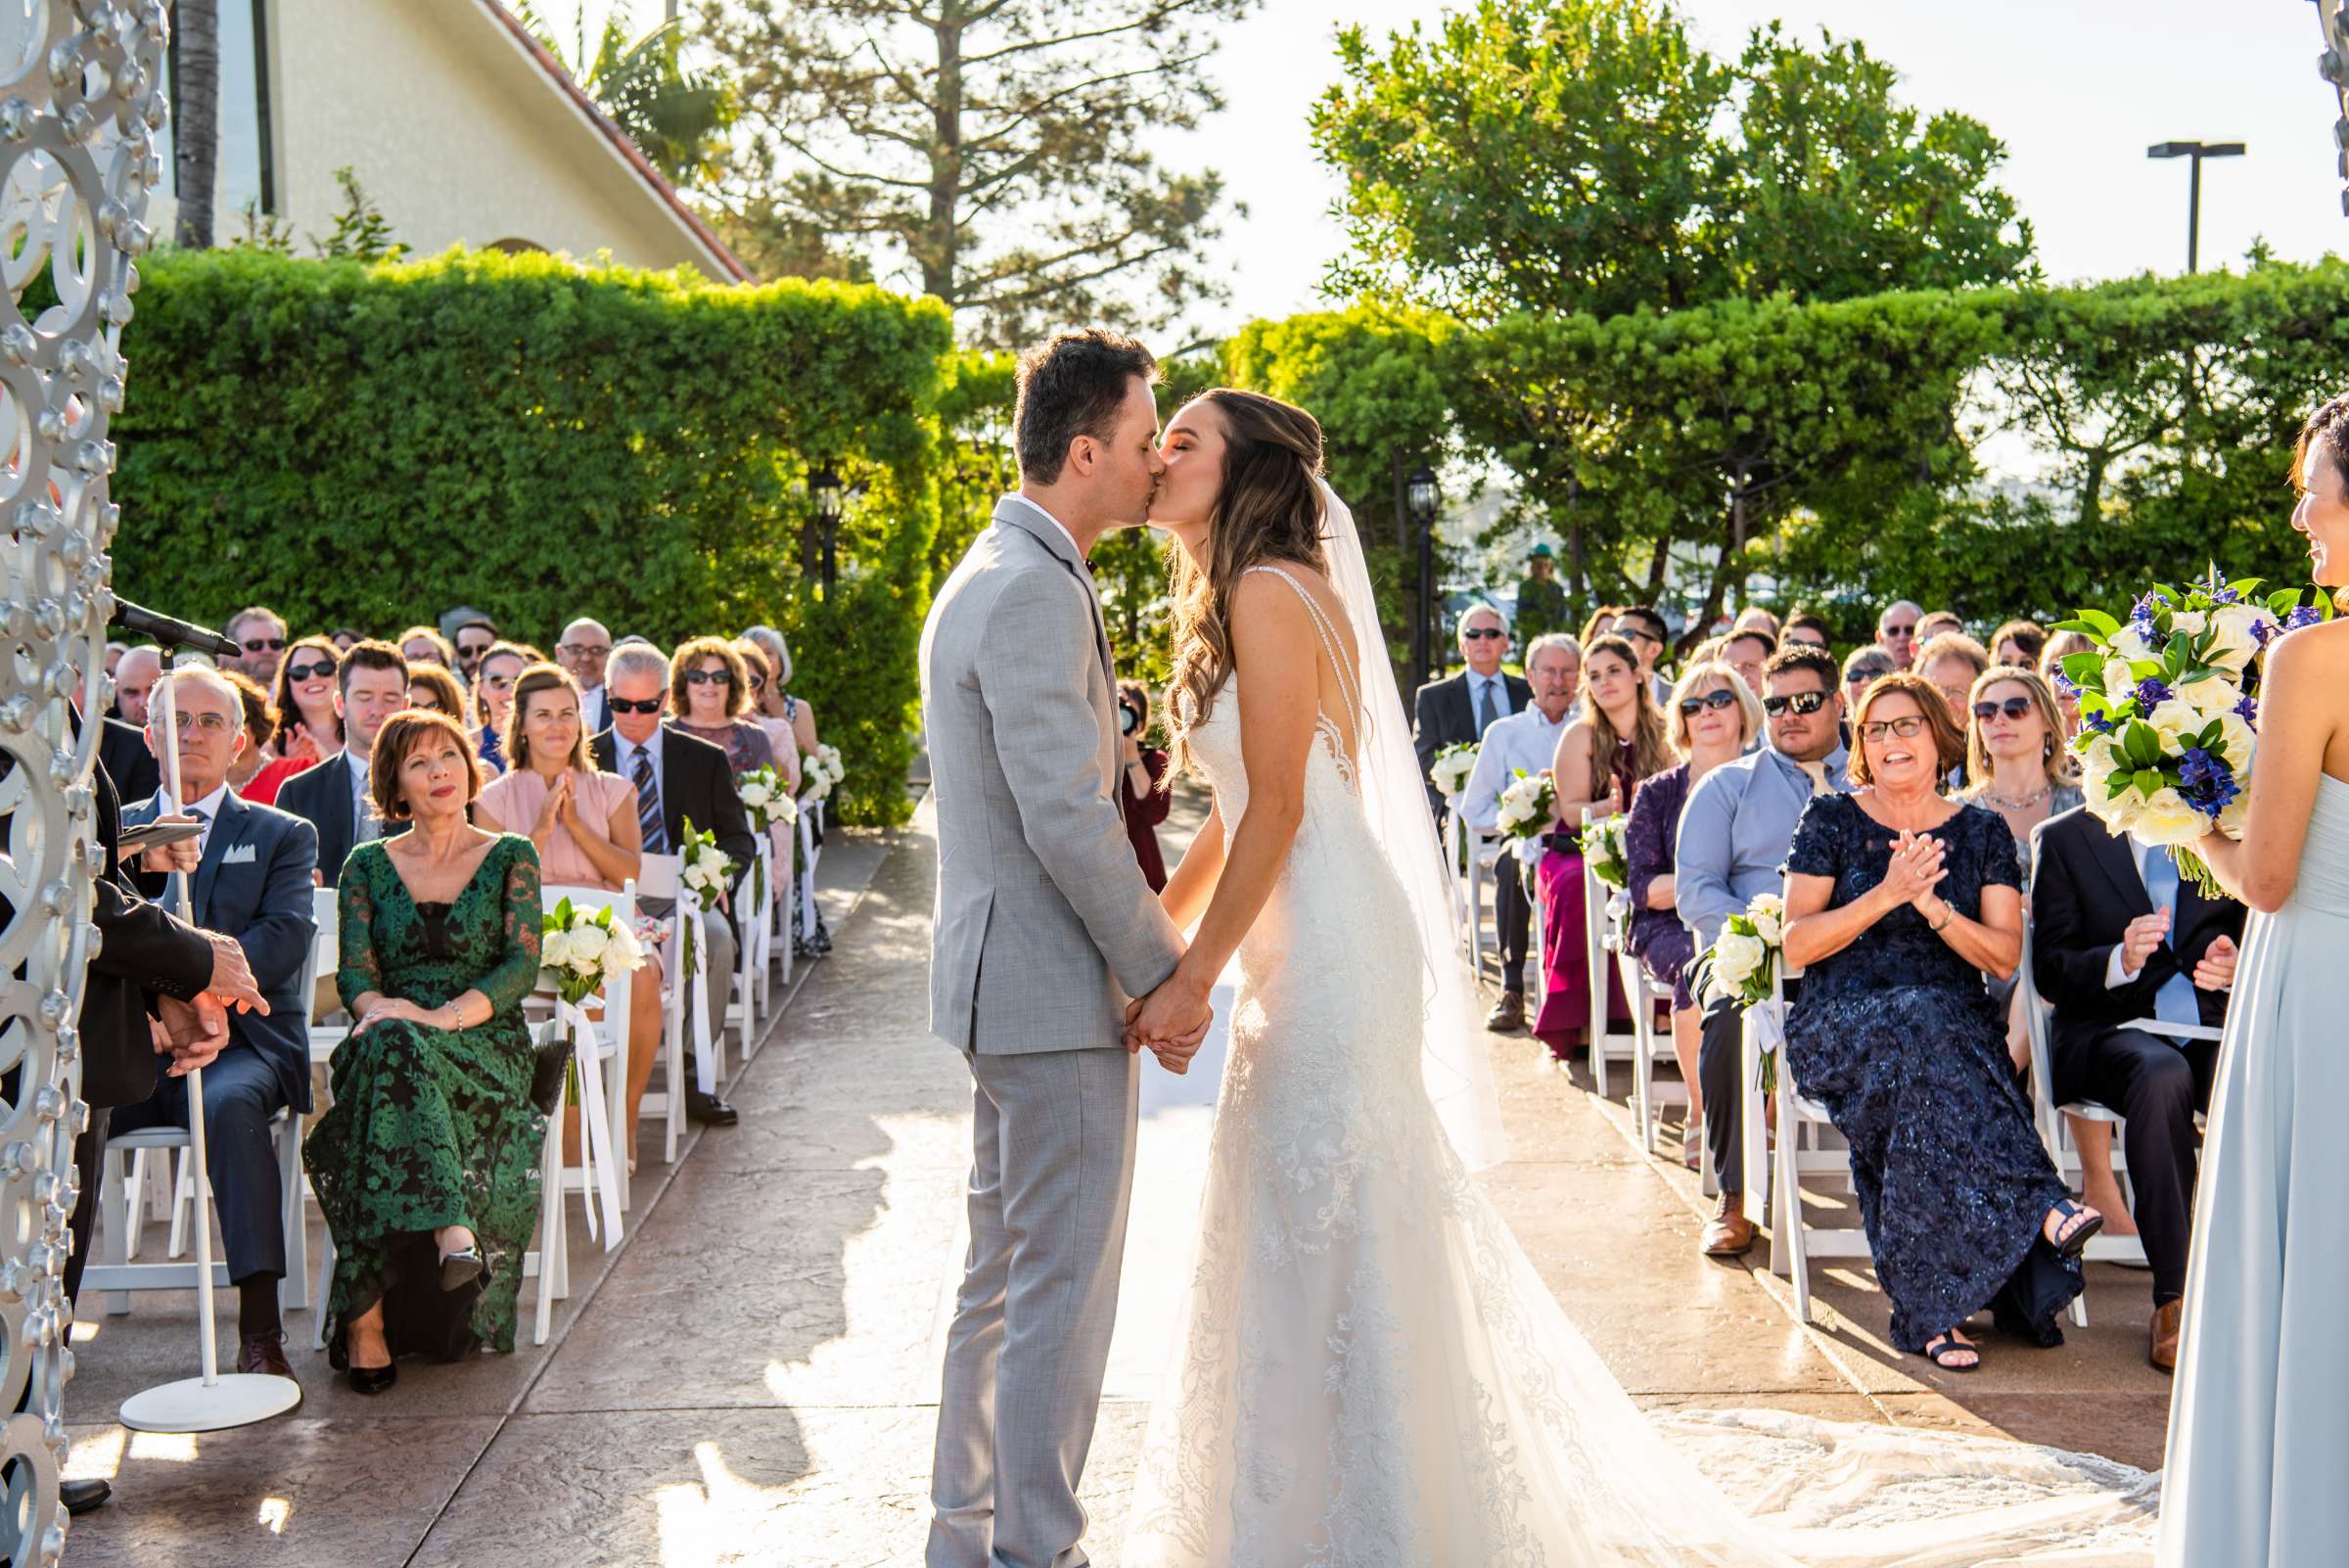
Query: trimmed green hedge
x=372 y=445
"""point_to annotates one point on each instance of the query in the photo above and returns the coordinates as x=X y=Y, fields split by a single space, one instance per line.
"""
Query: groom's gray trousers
x=1051 y=1171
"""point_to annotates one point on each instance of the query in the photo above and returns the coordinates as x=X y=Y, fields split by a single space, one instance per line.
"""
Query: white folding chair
x=780 y=859
x=810 y=814
x=326 y=957
x=617 y=1014
x=2056 y=1133
x=1649 y=1046
x=1808 y=1145
x=1604 y=1044
x=657 y=877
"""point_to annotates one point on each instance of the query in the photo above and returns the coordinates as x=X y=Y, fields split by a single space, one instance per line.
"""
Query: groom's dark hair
x=1072 y=386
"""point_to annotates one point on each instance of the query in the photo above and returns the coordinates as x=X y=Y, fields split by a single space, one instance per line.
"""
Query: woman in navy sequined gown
x=1898 y=902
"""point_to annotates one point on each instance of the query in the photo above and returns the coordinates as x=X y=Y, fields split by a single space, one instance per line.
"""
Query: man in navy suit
x=371 y=684
x=248 y=878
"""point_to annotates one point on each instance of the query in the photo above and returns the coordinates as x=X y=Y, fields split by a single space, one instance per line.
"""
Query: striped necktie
x=648 y=805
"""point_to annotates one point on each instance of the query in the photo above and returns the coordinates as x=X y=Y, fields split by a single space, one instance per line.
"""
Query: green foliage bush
x=371 y=445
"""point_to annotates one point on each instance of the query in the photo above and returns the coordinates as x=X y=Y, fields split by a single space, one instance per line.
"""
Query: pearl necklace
x=2023 y=804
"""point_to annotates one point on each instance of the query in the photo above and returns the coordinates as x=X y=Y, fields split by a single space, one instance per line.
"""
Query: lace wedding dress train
x=1371 y=1374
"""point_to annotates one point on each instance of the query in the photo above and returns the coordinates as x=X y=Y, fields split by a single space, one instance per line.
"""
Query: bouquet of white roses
x=579 y=949
x=1604 y=849
x=1449 y=772
x=1742 y=964
x=1528 y=808
x=2168 y=705
x=705 y=867
x=765 y=799
x=819 y=770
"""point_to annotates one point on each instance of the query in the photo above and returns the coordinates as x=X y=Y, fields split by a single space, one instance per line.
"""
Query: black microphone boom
x=172 y=633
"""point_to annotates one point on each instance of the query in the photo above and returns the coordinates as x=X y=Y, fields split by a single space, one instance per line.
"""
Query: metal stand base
x=236 y=1399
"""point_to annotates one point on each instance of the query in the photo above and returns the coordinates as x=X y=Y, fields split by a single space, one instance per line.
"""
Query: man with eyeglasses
x=370 y=686
x=1735 y=832
x=583 y=649
x=261 y=633
x=1644 y=629
x=1524 y=741
x=1896 y=631
x=1459 y=709
x=248 y=878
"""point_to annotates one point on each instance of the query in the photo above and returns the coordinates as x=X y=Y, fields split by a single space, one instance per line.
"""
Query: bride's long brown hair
x=1269 y=508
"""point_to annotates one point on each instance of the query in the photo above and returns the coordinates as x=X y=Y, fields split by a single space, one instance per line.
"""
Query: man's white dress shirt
x=1526 y=741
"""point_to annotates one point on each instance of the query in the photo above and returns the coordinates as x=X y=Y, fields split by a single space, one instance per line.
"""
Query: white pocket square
x=239 y=854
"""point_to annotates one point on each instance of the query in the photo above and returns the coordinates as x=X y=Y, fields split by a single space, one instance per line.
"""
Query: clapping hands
x=1172 y=1021
x=1915 y=868
x=2216 y=971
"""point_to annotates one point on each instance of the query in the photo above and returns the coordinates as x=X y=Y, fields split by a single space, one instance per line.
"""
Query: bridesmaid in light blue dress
x=2258 y=1468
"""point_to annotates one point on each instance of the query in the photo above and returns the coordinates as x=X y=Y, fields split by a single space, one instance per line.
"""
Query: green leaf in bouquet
x=2243 y=587
x=2101 y=623
x=2119 y=784
x=2148 y=781
x=2180 y=652
x=2075 y=624
x=2149 y=669
x=2209 y=738
x=2142 y=741
x=2085 y=671
x=563 y=909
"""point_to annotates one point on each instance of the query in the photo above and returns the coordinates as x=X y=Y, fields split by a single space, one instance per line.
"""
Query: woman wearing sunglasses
x=2014 y=752
x=1712 y=716
x=1898 y=902
x=709 y=690
x=310 y=729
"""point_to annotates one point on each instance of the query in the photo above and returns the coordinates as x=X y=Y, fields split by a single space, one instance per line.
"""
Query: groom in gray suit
x=1045 y=931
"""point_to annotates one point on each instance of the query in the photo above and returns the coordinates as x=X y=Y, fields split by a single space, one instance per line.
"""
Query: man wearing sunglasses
x=1458 y=709
x=1735 y=831
x=261 y=633
x=1644 y=629
x=1896 y=631
x=369 y=685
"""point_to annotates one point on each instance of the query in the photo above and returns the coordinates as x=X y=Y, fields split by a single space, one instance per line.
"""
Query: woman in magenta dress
x=1616 y=741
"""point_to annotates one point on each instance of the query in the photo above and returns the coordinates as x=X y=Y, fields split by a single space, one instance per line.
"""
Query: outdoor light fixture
x=1421 y=488
x=823 y=487
x=1421 y=495
x=2197 y=151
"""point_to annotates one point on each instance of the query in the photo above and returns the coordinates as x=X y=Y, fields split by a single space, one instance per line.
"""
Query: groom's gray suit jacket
x=1044 y=926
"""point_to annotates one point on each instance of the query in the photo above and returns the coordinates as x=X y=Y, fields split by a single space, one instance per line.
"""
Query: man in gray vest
x=1045 y=931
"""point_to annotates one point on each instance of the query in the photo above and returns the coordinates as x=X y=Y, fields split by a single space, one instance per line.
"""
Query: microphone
x=169 y=633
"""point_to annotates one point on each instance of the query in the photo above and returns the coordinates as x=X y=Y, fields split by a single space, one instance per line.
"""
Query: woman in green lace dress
x=427 y=1167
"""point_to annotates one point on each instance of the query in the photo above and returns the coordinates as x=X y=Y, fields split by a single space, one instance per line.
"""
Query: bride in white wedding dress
x=1368 y=1372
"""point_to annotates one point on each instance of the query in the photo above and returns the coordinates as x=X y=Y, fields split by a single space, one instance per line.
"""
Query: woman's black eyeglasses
x=1907 y=727
x=309 y=672
x=620 y=705
x=2012 y=708
x=1800 y=702
x=1715 y=699
x=710 y=677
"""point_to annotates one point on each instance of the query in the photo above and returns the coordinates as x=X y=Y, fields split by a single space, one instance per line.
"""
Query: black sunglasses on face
x=1480 y=633
x=620 y=705
x=2012 y=708
x=264 y=645
x=1909 y=630
x=1801 y=702
x=1861 y=677
x=308 y=672
x=710 y=677
x=1715 y=699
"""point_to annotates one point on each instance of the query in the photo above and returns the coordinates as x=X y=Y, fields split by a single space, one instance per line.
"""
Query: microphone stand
x=212 y=1401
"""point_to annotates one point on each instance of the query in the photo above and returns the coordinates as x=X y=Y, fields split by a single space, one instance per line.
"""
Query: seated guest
x=1735 y=831
x=2061 y=646
x=1601 y=622
x=1938 y=623
x=1896 y=631
x=794 y=711
x=421 y=645
x=433 y=689
x=583 y=824
x=1897 y=902
x=345 y=638
x=1714 y=716
x=678 y=780
x=248 y=877
x=134 y=678
x=1746 y=651
x=309 y=730
x=1457 y=709
x=1952 y=662
x=2015 y=754
x=474 y=637
x=1806 y=628
x=259 y=721
x=493 y=676
x=1644 y=629
x=371 y=684
x=1526 y=741
x=261 y=632
x=122 y=752
x=427 y=1163
x=709 y=690
x=1615 y=741
x=2118 y=937
x=581 y=648
x=2018 y=643
x=1753 y=617
x=760 y=667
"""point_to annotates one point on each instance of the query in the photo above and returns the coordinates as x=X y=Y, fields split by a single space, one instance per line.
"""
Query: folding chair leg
x=183 y=1199
x=294 y=1289
x=326 y=1277
x=113 y=1214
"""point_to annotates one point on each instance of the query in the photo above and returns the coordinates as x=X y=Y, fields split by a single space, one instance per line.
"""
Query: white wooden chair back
x=616 y=1010
x=659 y=876
x=326 y=957
x=1808 y=1145
x=1605 y=1044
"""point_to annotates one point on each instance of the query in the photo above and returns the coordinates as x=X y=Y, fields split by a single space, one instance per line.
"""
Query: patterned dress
x=1897 y=1037
x=433 y=1127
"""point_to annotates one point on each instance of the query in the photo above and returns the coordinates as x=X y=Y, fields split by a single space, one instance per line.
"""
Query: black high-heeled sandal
x=372 y=1379
x=2073 y=1241
x=460 y=1268
x=1949 y=1344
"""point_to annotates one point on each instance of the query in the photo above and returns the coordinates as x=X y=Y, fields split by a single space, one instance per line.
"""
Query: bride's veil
x=1459 y=1078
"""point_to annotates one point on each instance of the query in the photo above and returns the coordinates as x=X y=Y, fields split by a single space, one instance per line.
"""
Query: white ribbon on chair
x=705 y=1064
x=807 y=859
x=1765 y=1034
x=597 y=1160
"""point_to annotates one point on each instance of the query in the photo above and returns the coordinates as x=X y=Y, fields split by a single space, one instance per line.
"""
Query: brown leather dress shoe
x=1731 y=1233
x=2168 y=1318
x=1507 y=1016
x=263 y=1353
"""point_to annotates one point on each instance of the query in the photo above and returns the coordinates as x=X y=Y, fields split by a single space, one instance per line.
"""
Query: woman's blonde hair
x=1651 y=751
x=1697 y=679
x=1267 y=508
x=2057 y=757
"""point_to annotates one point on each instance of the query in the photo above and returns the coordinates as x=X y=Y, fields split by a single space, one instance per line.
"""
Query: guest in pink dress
x=583 y=821
x=1615 y=742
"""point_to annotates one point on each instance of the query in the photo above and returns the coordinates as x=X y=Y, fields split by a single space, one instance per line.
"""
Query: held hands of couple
x=1172 y=1021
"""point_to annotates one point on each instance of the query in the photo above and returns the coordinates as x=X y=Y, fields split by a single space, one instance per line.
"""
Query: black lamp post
x=2197 y=151
x=1422 y=496
x=823 y=487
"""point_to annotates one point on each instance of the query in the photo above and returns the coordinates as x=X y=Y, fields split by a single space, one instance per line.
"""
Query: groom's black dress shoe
x=83 y=1497
x=707 y=1109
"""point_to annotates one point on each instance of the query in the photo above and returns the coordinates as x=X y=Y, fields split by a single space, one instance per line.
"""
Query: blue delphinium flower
x=2205 y=782
x=2065 y=686
x=2150 y=694
x=2307 y=614
x=2247 y=711
x=2101 y=722
x=2140 y=617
